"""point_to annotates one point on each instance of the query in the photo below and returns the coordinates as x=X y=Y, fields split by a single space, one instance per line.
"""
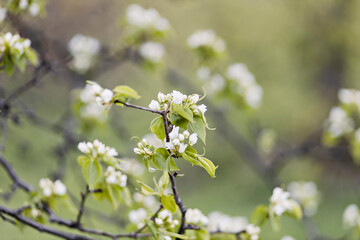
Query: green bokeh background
x=301 y=52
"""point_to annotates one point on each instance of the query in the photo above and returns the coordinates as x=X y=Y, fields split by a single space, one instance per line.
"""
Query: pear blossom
x=138 y=217
x=287 y=238
x=357 y=135
x=152 y=51
x=50 y=188
x=34 y=9
x=155 y=105
x=149 y=202
x=132 y=167
x=206 y=38
x=349 y=96
x=196 y=217
x=23 y=4
x=177 y=140
x=164 y=219
x=203 y=73
x=253 y=231
x=221 y=222
x=178 y=97
x=306 y=194
x=338 y=123
x=115 y=177
x=3 y=13
x=84 y=49
x=193 y=139
x=14 y=41
x=280 y=201
x=103 y=97
x=351 y=216
x=143 y=148
x=142 y=18
x=97 y=149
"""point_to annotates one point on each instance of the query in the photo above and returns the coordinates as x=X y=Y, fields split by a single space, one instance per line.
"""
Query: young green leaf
x=146 y=190
x=152 y=227
x=260 y=215
x=123 y=91
x=184 y=112
x=92 y=172
x=31 y=55
x=189 y=155
x=199 y=127
x=208 y=166
x=169 y=203
x=158 y=128
x=178 y=120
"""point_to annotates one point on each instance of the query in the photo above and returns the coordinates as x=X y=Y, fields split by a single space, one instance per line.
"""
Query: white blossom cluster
x=247 y=86
x=280 y=201
x=103 y=97
x=349 y=97
x=50 y=188
x=149 y=202
x=206 y=39
x=287 y=238
x=164 y=219
x=306 y=194
x=225 y=223
x=176 y=97
x=177 y=140
x=152 y=51
x=147 y=19
x=132 y=167
x=339 y=123
x=253 y=231
x=84 y=50
x=212 y=82
x=138 y=217
x=351 y=216
x=143 y=148
x=153 y=140
x=14 y=41
x=97 y=149
x=33 y=6
x=196 y=217
x=115 y=177
x=90 y=109
x=3 y=13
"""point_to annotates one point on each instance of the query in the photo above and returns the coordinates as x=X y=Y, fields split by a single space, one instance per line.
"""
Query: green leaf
x=21 y=64
x=201 y=234
x=208 y=166
x=146 y=190
x=109 y=195
x=199 y=127
x=81 y=159
x=158 y=128
x=178 y=120
x=189 y=155
x=9 y=67
x=172 y=164
x=160 y=159
x=260 y=215
x=152 y=227
x=176 y=235
x=184 y=112
x=92 y=172
x=123 y=91
x=275 y=221
x=31 y=55
x=164 y=181
x=169 y=203
x=296 y=210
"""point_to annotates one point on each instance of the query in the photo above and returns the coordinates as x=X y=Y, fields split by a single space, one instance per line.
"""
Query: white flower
x=59 y=188
x=34 y=9
x=178 y=97
x=193 y=139
x=357 y=135
x=196 y=217
x=143 y=148
x=107 y=95
x=162 y=97
x=49 y=188
x=225 y=223
x=306 y=194
x=193 y=99
x=202 y=108
x=206 y=38
x=132 y=166
x=3 y=12
x=114 y=177
x=216 y=83
x=339 y=123
x=146 y=18
x=253 y=231
x=164 y=219
x=152 y=51
x=182 y=147
x=280 y=201
x=351 y=216
x=155 y=105
x=83 y=147
x=138 y=217
x=349 y=96
x=149 y=202
x=96 y=149
x=240 y=73
x=253 y=96
x=23 y=4
x=174 y=132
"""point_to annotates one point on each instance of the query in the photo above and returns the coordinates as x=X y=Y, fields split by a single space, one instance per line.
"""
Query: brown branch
x=126 y=104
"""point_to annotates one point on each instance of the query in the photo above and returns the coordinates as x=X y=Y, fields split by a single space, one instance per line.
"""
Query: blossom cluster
x=246 y=84
x=213 y=83
x=351 y=216
x=280 y=201
x=306 y=194
x=221 y=222
x=132 y=167
x=152 y=51
x=164 y=219
x=176 y=97
x=50 y=188
x=115 y=177
x=97 y=149
x=196 y=217
x=148 y=202
x=84 y=50
x=138 y=217
x=177 y=140
x=339 y=123
x=90 y=109
x=3 y=13
x=10 y=41
x=143 y=148
x=34 y=7
x=206 y=40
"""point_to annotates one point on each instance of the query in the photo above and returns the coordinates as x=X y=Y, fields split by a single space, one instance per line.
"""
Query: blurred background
x=301 y=53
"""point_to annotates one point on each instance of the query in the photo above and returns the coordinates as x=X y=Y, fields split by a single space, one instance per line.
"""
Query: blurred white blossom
x=206 y=38
x=3 y=13
x=225 y=223
x=50 y=188
x=253 y=231
x=280 y=201
x=338 y=122
x=97 y=149
x=196 y=217
x=115 y=177
x=306 y=194
x=287 y=238
x=164 y=219
x=132 y=166
x=138 y=217
x=152 y=51
x=351 y=216
x=149 y=202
